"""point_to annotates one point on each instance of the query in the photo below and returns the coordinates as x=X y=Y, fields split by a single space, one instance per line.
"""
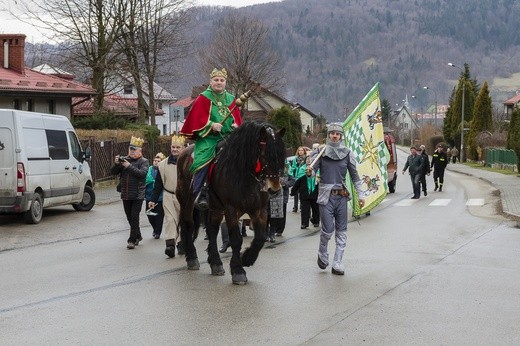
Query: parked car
x=41 y=165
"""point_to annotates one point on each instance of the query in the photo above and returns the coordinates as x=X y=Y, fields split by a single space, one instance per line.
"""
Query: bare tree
x=241 y=45
x=153 y=33
x=88 y=30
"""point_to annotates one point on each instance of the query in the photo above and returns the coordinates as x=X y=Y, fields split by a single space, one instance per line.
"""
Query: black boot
x=440 y=188
x=170 y=248
x=180 y=248
x=201 y=202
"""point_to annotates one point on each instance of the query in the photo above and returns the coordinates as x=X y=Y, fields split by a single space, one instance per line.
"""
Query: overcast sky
x=10 y=26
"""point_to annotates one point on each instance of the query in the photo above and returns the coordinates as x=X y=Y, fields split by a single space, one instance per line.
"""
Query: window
x=75 y=146
x=16 y=104
x=127 y=89
x=52 y=106
x=58 y=146
x=30 y=105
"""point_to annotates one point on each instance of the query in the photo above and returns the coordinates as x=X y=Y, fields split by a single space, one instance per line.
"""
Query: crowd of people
x=419 y=167
x=315 y=178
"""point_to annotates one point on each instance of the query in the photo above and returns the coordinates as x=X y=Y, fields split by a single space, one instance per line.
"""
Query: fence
x=501 y=158
x=103 y=153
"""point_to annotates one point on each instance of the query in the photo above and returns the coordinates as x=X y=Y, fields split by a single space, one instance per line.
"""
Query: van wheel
x=35 y=213
x=89 y=199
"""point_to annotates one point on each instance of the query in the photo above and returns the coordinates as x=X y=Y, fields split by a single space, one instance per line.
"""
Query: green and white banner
x=365 y=137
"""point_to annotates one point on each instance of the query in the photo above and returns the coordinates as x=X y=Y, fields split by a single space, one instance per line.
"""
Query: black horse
x=246 y=172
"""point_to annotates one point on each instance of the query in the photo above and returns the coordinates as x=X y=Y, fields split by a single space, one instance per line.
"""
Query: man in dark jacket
x=439 y=162
x=414 y=164
x=132 y=171
x=426 y=168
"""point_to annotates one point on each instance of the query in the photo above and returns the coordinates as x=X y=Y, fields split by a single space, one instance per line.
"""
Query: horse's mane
x=240 y=153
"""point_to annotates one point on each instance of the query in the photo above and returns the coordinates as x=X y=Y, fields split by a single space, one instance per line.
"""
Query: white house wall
x=40 y=104
x=274 y=102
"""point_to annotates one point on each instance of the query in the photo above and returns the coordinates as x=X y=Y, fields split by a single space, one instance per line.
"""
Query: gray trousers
x=333 y=219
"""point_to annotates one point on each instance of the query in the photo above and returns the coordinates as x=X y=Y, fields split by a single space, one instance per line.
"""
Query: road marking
x=406 y=202
x=479 y=202
x=440 y=202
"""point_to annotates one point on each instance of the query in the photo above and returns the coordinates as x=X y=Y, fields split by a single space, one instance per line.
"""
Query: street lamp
x=435 y=94
x=462 y=156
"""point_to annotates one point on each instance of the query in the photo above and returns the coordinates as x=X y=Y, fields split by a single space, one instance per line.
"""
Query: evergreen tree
x=513 y=135
x=467 y=86
x=482 y=120
x=289 y=119
x=447 y=120
x=386 y=110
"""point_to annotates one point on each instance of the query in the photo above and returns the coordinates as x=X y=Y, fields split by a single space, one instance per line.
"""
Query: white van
x=41 y=165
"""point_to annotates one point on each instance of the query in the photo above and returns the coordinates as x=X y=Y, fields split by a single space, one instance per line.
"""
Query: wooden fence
x=103 y=154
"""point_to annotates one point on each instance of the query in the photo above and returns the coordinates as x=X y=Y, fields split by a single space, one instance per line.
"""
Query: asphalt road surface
x=439 y=270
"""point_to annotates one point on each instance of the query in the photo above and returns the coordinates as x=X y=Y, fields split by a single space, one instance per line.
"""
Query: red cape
x=199 y=114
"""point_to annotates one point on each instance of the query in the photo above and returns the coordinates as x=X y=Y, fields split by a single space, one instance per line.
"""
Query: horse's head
x=271 y=159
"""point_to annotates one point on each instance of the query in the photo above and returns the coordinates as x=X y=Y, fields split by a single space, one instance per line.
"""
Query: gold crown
x=160 y=156
x=178 y=139
x=218 y=73
x=136 y=142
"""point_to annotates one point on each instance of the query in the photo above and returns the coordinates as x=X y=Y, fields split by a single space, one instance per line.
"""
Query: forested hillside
x=335 y=50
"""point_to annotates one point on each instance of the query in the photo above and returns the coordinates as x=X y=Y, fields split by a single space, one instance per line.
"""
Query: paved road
x=431 y=271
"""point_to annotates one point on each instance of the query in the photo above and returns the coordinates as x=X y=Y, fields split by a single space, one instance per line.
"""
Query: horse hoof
x=239 y=279
x=193 y=264
x=217 y=270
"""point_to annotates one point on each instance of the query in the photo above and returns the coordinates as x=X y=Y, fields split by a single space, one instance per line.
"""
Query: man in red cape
x=212 y=117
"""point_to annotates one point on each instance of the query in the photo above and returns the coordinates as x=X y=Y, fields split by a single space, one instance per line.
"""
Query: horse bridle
x=260 y=173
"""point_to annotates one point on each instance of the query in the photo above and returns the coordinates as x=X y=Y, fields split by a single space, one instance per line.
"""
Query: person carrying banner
x=333 y=163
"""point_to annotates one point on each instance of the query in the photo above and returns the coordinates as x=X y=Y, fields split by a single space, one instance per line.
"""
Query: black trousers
x=309 y=207
x=157 y=220
x=438 y=175
x=277 y=225
x=296 y=199
x=423 y=181
x=132 y=209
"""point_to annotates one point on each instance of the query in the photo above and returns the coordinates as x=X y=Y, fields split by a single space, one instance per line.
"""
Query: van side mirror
x=85 y=155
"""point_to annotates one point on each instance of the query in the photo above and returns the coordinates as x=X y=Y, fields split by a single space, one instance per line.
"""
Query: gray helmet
x=335 y=127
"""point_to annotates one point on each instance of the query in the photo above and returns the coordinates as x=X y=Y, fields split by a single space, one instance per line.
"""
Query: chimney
x=12 y=51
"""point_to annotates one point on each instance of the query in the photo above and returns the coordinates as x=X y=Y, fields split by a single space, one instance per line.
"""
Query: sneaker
x=156 y=236
x=436 y=187
x=337 y=272
x=321 y=264
x=130 y=245
x=138 y=240
x=303 y=227
x=278 y=234
x=316 y=225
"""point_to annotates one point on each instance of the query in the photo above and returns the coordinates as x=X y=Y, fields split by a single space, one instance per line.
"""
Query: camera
x=123 y=158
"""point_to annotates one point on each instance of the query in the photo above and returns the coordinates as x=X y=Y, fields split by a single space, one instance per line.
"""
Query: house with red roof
x=510 y=104
x=26 y=89
x=257 y=107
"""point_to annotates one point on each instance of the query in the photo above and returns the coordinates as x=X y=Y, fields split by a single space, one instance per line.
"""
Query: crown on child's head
x=136 y=142
x=178 y=139
x=218 y=73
